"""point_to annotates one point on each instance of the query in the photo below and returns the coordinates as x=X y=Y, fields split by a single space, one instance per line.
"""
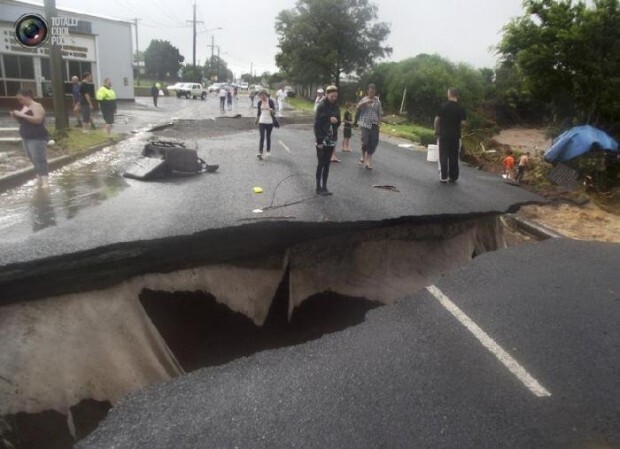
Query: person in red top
x=509 y=165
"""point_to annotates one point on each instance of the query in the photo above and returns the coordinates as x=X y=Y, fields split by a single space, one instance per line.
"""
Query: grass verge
x=415 y=133
x=301 y=104
x=75 y=140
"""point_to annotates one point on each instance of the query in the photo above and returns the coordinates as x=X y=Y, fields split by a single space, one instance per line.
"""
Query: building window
x=21 y=67
x=26 y=67
x=11 y=64
x=79 y=67
x=46 y=70
x=12 y=87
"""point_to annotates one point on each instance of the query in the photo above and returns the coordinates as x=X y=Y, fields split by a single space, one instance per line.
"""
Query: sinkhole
x=68 y=358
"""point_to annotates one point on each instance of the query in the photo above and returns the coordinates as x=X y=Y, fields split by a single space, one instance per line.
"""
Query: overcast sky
x=461 y=30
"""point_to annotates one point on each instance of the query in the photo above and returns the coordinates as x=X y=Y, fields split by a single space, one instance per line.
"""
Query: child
x=348 y=122
x=524 y=161
x=509 y=165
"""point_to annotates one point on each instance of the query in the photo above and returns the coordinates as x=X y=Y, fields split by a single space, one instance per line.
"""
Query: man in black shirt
x=448 y=123
x=87 y=92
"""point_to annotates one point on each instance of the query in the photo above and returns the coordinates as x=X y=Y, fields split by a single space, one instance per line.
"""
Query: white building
x=100 y=45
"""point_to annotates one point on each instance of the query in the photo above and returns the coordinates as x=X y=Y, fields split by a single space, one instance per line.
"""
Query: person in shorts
x=75 y=94
x=524 y=162
x=31 y=119
x=347 y=129
x=370 y=112
x=107 y=103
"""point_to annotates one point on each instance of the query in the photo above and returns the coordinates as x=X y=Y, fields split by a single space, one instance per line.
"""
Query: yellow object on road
x=257 y=190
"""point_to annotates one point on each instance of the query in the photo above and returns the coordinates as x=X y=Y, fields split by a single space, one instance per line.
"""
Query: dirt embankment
x=587 y=222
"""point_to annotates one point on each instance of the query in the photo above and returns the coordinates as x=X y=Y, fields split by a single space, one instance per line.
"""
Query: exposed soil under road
x=588 y=222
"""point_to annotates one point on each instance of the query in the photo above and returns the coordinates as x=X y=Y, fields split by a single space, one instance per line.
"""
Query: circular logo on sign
x=31 y=30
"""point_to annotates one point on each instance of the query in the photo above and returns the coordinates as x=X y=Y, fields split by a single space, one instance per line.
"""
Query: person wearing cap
x=370 y=112
x=326 y=123
x=320 y=94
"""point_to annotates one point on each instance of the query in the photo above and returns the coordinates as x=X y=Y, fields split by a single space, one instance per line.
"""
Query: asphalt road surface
x=90 y=205
x=516 y=350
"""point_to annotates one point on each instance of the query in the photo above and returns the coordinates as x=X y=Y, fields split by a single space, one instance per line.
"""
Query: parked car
x=175 y=87
x=215 y=87
x=192 y=90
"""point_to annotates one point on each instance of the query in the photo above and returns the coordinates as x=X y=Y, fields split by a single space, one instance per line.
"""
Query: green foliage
x=162 y=59
x=426 y=79
x=192 y=74
x=302 y=104
x=216 y=69
x=320 y=40
x=568 y=57
x=251 y=79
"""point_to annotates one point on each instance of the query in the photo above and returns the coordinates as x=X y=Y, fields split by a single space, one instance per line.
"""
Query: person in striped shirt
x=370 y=111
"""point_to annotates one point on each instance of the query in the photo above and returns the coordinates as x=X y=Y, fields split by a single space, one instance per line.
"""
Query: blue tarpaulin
x=577 y=141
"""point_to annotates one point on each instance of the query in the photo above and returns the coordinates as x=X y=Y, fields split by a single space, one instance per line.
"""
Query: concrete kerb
x=533 y=228
x=19 y=177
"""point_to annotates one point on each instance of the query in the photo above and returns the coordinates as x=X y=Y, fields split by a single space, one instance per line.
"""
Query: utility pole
x=135 y=21
x=212 y=51
x=194 y=22
x=218 y=62
x=58 y=85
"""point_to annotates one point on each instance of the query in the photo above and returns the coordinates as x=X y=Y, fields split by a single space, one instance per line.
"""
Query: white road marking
x=507 y=360
x=285 y=147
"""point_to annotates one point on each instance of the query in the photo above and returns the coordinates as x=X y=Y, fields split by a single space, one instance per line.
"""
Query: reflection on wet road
x=92 y=180
x=75 y=187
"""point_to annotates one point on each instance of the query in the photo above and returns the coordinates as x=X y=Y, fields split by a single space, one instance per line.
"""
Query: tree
x=320 y=40
x=191 y=73
x=217 y=68
x=426 y=79
x=568 y=56
x=162 y=59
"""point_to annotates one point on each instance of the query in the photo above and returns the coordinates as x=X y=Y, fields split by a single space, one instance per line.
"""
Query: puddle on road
x=82 y=184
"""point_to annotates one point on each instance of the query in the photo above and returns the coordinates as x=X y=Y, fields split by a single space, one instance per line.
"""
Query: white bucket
x=433 y=153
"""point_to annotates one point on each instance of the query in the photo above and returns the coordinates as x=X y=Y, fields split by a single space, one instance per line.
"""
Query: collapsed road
x=75 y=324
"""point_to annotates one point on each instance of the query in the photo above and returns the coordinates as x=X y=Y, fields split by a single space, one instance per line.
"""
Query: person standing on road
x=107 y=103
x=87 y=98
x=75 y=93
x=326 y=121
x=448 y=123
x=369 y=111
x=320 y=95
x=229 y=99
x=31 y=119
x=155 y=94
x=222 y=95
x=264 y=118
x=252 y=94
x=348 y=130
x=281 y=97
